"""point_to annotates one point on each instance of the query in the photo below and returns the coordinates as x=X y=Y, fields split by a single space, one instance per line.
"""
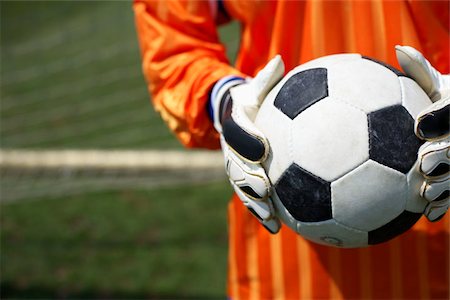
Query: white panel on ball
x=414 y=98
x=369 y=196
x=332 y=233
x=383 y=90
x=276 y=127
x=330 y=138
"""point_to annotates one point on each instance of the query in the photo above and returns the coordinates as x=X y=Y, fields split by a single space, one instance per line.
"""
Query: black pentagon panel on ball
x=394 y=228
x=392 y=141
x=306 y=197
x=395 y=70
x=301 y=91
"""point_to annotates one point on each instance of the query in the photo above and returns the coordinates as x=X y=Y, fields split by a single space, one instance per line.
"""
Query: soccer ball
x=343 y=151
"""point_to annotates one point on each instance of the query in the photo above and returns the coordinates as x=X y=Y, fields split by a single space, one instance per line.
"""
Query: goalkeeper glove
x=432 y=125
x=234 y=105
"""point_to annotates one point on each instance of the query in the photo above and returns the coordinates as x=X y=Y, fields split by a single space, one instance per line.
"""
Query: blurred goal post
x=31 y=174
x=145 y=160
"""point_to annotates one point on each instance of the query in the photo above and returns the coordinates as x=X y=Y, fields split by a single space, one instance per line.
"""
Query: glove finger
x=434 y=158
x=436 y=210
x=266 y=79
x=262 y=210
x=272 y=225
x=436 y=190
x=418 y=68
x=249 y=178
x=433 y=122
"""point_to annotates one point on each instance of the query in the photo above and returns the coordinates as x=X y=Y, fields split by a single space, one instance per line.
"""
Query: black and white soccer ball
x=343 y=150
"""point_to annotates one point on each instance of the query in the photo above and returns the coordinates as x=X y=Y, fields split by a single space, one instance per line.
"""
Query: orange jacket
x=183 y=58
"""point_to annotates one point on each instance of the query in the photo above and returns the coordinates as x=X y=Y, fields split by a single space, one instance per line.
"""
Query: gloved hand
x=235 y=103
x=432 y=125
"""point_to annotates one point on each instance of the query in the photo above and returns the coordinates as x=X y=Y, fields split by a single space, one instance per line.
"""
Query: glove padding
x=235 y=104
x=432 y=125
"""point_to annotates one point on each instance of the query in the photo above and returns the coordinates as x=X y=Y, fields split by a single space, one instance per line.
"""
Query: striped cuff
x=222 y=85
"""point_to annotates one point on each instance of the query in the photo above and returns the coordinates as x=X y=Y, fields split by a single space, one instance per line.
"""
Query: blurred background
x=97 y=198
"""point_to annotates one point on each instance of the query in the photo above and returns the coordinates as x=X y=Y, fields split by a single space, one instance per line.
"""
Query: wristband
x=228 y=82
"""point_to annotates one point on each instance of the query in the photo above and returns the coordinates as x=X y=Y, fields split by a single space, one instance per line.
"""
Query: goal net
x=74 y=111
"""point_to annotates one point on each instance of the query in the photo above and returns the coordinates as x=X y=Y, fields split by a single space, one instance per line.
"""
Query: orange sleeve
x=432 y=21
x=182 y=59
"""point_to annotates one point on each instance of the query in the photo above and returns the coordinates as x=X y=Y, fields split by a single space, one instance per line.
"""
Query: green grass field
x=71 y=78
x=162 y=243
